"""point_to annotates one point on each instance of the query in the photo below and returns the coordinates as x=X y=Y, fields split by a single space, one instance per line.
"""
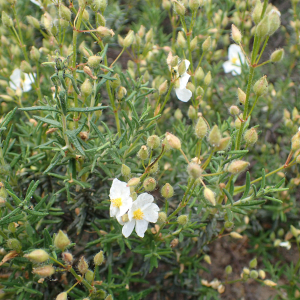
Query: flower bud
x=194 y=170
x=174 y=61
x=122 y=92
x=194 y=43
x=109 y=297
x=201 y=128
x=228 y=270
x=207 y=79
x=6 y=20
x=61 y=240
x=82 y=265
x=192 y=112
x=274 y=22
x=37 y=256
x=99 y=258
x=238 y=166
x=234 y=110
x=295 y=231
x=100 y=20
x=253 y=263
x=228 y=224
x=262 y=274
x=94 y=61
x=173 y=141
x=104 y=31
x=153 y=142
x=133 y=181
x=167 y=191
x=261 y=86
x=67 y=258
x=251 y=136
x=62 y=296
x=199 y=74
x=296 y=141
x=33 y=22
x=149 y=36
x=200 y=91
x=235 y=235
x=224 y=144
x=236 y=34
x=149 y=184
x=277 y=55
x=117 y=82
x=64 y=12
x=25 y=67
x=129 y=39
x=214 y=137
x=166 y=4
x=85 y=15
x=35 y=54
x=269 y=283
x=182 y=220
x=181 y=68
x=14 y=244
x=253 y=274
x=241 y=96
x=89 y=275
x=143 y=153
x=263 y=27
x=207 y=259
x=181 y=40
x=256 y=14
x=210 y=196
x=163 y=88
x=86 y=88
x=206 y=44
x=178 y=114
x=125 y=170
x=162 y=217
x=44 y=271
x=179 y=8
x=174 y=243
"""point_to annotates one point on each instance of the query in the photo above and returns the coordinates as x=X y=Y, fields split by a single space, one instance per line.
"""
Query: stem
x=208 y=160
x=117 y=57
x=263 y=49
x=166 y=98
x=253 y=106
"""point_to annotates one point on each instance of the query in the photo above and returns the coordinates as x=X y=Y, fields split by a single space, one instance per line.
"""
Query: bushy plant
x=130 y=145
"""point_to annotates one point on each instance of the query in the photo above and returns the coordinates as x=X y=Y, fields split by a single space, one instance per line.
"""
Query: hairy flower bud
x=117 y=82
x=37 y=256
x=167 y=191
x=228 y=270
x=166 y=4
x=206 y=44
x=163 y=88
x=262 y=274
x=173 y=141
x=35 y=54
x=100 y=20
x=143 y=153
x=33 y=22
x=125 y=170
x=253 y=263
x=296 y=141
x=263 y=27
x=181 y=41
x=199 y=74
x=89 y=275
x=235 y=235
x=234 y=110
x=104 y=31
x=99 y=258
x=238 y=166
x=122 y=92
x=251 y=136
x=261 y=86
x=67 y=257
x=62 y=296
x=194 y=43
x=179 y=8
x=133 y=181
x=201 y=128
x=178 y=114
x=6 y=20
x=207 y=79
x=224 y=143
x=270 y=283
x=182 y=220
x=82 y=265
x=86 y=88
x=149 y=36
x=129 y=39
x=200 y=91
x=241 y=96
x=207 y=259
x=274 y=22
x=149 y=184
x=14 y=244
x=94 y=61
x=194 y=170
x=256 y=14
x=64 y=12
x=210 y=196
x=192 y=112
x=61 y=240
x=236 y=34
x=44 y=271
x=214 y=136
x=162 y=217
x=153 y=142
x=25 y=67
x=277 y=55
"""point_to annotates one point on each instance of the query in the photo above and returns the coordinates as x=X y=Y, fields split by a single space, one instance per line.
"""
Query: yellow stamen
x=234 y=60
x=116 y=202
x=138 y=214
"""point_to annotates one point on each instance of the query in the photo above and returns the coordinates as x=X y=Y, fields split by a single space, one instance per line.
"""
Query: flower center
x=234 y=60
x=138 y=214
x=116 y=202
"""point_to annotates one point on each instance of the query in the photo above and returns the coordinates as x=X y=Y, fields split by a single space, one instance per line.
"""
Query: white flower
x=16 y=81
x=287 y=245
x=37 y=2
x=140 y=214
x=236 y=58
x=120 y=198
x=182 y=93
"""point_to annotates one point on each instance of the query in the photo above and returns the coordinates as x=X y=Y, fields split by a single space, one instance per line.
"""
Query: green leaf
x=8 y=118
x=86 y=109
x=228 y=196
x=8 y=218
x=247 y=186
x=48 y=121
x=273 y=199
x=46 y=108
x=73 y=139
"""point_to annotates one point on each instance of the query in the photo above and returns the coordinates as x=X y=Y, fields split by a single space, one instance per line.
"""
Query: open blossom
x=235 y=59
x=16 y=81
x=182 y=93
x=120 y=198
x=140 y=214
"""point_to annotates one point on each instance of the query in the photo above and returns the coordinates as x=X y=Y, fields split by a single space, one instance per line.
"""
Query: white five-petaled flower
x=287 y=245
x=235 y=59
x=16 y=81
x=182 y=93
x=140 y=214
x=120 y=198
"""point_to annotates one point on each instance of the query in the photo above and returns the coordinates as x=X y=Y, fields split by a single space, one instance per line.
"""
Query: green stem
x=208 y=160
x=3 y=235
x=263 y=49
x=166 y=98
x=253 y=106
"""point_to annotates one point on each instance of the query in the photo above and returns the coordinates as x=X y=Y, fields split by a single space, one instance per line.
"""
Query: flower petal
x=233 y=51
x=113 y=211
x=151 y=214
x=128 y=228
x=183 y=80
x=126 y=205
x=141 y=227
x=183 y=95
x=187 y=64
x=228 y=67
x=15 y=79
x=143 y=199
